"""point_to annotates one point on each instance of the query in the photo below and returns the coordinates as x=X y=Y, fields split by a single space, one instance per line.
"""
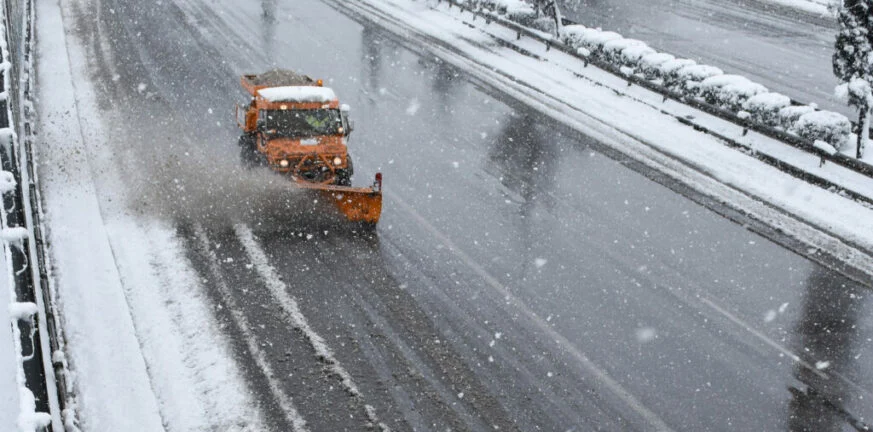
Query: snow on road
x=280 y=292
x=637 y=129
x=144 y=349
x=818 y=7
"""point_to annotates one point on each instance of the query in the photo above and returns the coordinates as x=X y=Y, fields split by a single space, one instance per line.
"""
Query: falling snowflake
x=413 y=107
x=646 y=334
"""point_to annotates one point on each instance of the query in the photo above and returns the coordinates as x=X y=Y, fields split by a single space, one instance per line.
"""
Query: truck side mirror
x=349 y=124
x=240 y=118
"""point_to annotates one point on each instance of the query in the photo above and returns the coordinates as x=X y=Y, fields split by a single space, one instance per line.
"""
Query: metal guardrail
x=34 y=373
x=45 y=374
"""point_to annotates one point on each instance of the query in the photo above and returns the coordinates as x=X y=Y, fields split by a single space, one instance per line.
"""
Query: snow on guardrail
x=7 y=182
x=35 y=331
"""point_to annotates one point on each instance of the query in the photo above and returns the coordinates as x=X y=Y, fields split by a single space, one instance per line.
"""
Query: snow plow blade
x=357 y=204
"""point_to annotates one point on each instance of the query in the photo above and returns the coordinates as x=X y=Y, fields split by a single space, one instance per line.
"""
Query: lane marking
x=794 y=357
x=280 y=292
x=298 y=424
x=790 y=354
x=599 y=374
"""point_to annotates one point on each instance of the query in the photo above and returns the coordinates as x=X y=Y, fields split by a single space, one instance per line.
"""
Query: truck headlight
x=337 y=161
x=283 y=163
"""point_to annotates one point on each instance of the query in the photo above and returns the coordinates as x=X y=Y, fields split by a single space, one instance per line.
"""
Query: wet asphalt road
x=785 y=50
x=519 y=278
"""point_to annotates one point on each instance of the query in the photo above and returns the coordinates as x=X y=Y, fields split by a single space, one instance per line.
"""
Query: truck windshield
x=301 y=123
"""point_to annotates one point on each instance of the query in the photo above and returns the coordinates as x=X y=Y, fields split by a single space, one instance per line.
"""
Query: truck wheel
x=344 y=176
x=248 y=153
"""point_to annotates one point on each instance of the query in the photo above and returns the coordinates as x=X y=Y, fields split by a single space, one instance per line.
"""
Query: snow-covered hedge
x=830 y=127
x=764 y=108
x=789 y=115
x=733 y=93
x=670 y=68
x=594 y=39
x=729 y=91
x=632 y=56
x=545 y=24
x=650 y=65
x=687 y=79
x=573 y=34
x=513 y=9
x=613 y=51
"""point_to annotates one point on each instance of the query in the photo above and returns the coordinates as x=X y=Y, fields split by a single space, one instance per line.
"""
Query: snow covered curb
x=30 y=309
x=732 y=97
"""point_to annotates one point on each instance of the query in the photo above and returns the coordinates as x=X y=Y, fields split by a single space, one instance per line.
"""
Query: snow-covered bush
x=830 y=127
x=764 y=107
x=789 y=115
x=572 y=35
x=593 y=39
x=508 y=7
x=670 y=67
x=856 y=92
x=612 y=49
x=518 y=11
x=631 y=55
x=731 y=92
x=650 y=64
x=687 y=78
x=525 y=16
x=728 y=91
x=545 y=24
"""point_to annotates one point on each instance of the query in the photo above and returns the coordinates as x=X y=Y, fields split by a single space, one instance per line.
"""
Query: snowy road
x=519 y=279
x=785 y=50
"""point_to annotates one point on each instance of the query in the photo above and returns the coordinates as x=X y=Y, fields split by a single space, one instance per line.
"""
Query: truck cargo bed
x=275 y=78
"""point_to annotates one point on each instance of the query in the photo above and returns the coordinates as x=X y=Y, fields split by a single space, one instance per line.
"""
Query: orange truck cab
x=296 y=126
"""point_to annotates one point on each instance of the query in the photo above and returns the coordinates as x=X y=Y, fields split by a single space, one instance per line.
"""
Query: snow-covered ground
x=144 y=348
x=602 y=106
x=818 y=7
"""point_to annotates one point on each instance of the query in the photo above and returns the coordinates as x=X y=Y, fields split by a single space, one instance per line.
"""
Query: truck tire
x=344 y=176
x=248 y=153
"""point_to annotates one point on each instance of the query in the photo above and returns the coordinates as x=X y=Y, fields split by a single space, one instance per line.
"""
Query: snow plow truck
x=297 y=127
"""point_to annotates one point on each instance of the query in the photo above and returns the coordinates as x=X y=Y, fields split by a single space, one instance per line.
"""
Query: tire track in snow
x=600 y=375
x=285 y=401
x=829 y=249
x=280 y=292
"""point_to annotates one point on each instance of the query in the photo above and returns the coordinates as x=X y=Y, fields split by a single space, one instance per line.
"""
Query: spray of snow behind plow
x=213 y=188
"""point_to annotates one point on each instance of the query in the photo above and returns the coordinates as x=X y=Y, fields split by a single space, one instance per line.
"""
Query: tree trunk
x=863 y=131
x=559 y=21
